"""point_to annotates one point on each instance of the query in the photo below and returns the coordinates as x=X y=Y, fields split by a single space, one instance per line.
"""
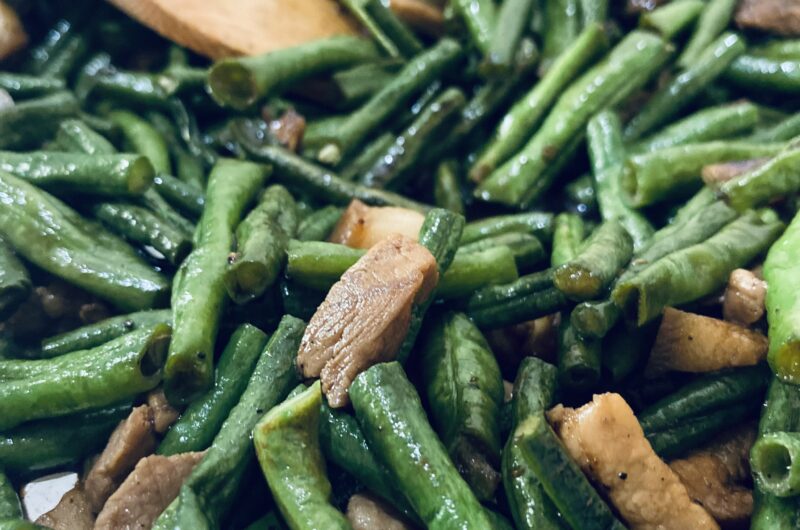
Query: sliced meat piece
x=73 y=512
x=535 y=338
x=715 y=477
x=366 y=314
x=289 y=129
x=774 y=16
x=362 y=226
x=744 y=298
x=12 y=34
x=687 y=342
x=148 y=490
x=132 y=440
x=714 y=174
x=164 y=414
x=605 y=439
x=366 y=512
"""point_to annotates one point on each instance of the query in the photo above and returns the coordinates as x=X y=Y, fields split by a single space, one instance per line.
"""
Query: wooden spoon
x=221 y=28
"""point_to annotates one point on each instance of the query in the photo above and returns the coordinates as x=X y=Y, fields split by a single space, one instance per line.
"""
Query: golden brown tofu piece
x=744 y=298
x=366 y=512
x=132 y=440
x=148 y=490
x=72 y=512
x=362 y=226
x=774 y=16
x=164 y=414
x=605 y=439
x=687 y=342
x=366 y=314
x=715 y=477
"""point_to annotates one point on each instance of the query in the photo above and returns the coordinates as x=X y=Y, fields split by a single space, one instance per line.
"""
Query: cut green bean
x=418 y=73
x=178 y=193
x=198 y=291
x=15 y=283
x=780 y=132
x=523 y=178
x=144 y=139
x=364 y=160
x=383 y=16
x=568 y=234
x=447 y=188
x=774 y=460
x=578 y=360
x=562 y=22
x=761 y=73
x=672 y=19
x=76 y=136
x=27 y=124
x=713 y=21
x=512 y=18
x=26 y=86
x=676 y=279
x=479 y=16
x=675 y=96
x=240 y=82
x=389 y=410
x=779 y=177
x=540 y=224
x=527 y=250
x=110 y=373
x=318 y=225
x=521 y=121
x=10 y=507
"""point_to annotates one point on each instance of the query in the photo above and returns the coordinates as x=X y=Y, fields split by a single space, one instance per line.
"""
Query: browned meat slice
x=744 y=298
x=366 y=512
x=12 y=34
x=362 y=226
x=366 y=314
x=775 y=16
x=164 y=414
x=605 y=439
x=147 y=491
x=535 y=338
x=73 y=512
x=132 y=440
x=687 y=342
x=420 y=15
x=715 y=477
x=288 y=129
x=714 y=174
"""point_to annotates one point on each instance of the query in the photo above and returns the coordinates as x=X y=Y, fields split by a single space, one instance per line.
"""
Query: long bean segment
x=240 y=82
x=27 y=124
x=198 y=292
x=630 y=64
x=678 y=277
x=144 y=139
x=670 y=20
x=762 y=73
x=777 y=178
x=15 y=283
x=10 y=507
x=774 y=458
x=51 y=235
x=712 y=22
x=479 y=16
x=394 y=422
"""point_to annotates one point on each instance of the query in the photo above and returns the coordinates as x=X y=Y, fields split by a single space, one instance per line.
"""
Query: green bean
x=394 y=423
x=318 y=225
x=28 y=123
x=180 y=194
x=676 y=95
x=287 y=446
x=198 y=292
x=526 y=248
x=650 y=178
x=629 y=65
x=780 y=132
x=298 y=173
x=10 y=506
x=99 y=377
x=393 y=166
x=261 y=242
x=49 y=234
x=349 y=88
x=762 y=73
x=380 y=12
x=540 y=224
x=592 y=270
x=66 y=57
x=240 y=82
x=568 y=235
x=26 y=86
x=517 y=125
x=777 y=49
x=210 y=489
x=154 y=202
x=15 y=284
x=676 y=279
x=607 y=153
x=562 y=23
x=41 y=445
x=578 y=360
x=201 y=421
x=54 y=38
x=581 y=194
x=530 y=297
x=512 y=18
x=419 y=72
x=479 y=16
x=94 y=335
x=76 y=136
x=624 y=349
x=780 y=413
x=102 y=80
x=784 y=335
x=189 y=168
x=713 y=123
x=713 y=21
x=672 y=19
x=775 y=179
x=464 y=391
x=774 y=462
x=447 y=188
x=143 y=139
x=364 y=160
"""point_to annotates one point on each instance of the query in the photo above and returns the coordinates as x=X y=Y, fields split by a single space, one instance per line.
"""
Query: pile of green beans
x=173 y=222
